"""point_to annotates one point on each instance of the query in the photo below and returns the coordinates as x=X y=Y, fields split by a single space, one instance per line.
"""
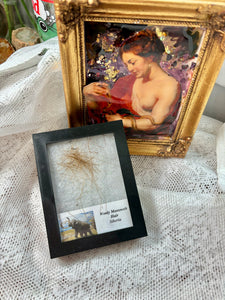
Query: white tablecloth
x=183 y=256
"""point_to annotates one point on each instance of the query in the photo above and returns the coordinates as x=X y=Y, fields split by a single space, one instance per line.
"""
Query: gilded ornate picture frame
x=151 y=64
x=88 y=189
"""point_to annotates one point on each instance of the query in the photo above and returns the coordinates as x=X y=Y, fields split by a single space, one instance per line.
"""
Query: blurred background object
x=3 y=24
x=6 y=50
x=18 y=26
x=18 y=14
x=25 y=23
x=45 y=18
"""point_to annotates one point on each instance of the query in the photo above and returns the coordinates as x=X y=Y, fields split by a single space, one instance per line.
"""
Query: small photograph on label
x=94 y=220
x=75 y=225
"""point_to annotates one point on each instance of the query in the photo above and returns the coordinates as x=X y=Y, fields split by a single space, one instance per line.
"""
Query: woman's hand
x=115 y=117
x=96 y=89
x=92 y=92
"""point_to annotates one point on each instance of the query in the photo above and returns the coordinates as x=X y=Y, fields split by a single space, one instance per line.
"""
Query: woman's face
x=136 y=65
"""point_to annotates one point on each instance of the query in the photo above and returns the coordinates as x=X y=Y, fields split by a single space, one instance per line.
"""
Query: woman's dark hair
x=145 y=43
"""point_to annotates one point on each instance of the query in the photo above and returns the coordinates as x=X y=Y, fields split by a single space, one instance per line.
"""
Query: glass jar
x=18 y=14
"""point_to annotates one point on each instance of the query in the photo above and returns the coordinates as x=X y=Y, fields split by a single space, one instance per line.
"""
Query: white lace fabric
x=183 y=256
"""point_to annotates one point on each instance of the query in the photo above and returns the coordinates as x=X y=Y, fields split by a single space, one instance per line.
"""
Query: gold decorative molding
x=222 y=45
x=176 y=149
x=215 y=19
x=212 y=15
x=70 y=12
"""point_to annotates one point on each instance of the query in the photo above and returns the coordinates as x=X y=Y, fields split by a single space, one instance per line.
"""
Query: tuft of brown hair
x=73 y=161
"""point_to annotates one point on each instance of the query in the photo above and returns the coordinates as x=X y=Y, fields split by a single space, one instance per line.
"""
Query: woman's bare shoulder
x=169 y=88
x=169 y=83
x=169 y=80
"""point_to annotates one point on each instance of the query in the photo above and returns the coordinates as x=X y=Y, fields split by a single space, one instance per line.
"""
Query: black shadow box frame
x=84 y=237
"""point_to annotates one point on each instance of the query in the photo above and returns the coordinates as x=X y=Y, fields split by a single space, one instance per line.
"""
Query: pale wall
x=215 y=107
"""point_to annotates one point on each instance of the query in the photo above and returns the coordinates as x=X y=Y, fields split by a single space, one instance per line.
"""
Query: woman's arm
x=143 y=123
x=159 y=113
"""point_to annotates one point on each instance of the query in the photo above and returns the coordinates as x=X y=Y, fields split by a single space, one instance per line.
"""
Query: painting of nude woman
x=140 y=75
